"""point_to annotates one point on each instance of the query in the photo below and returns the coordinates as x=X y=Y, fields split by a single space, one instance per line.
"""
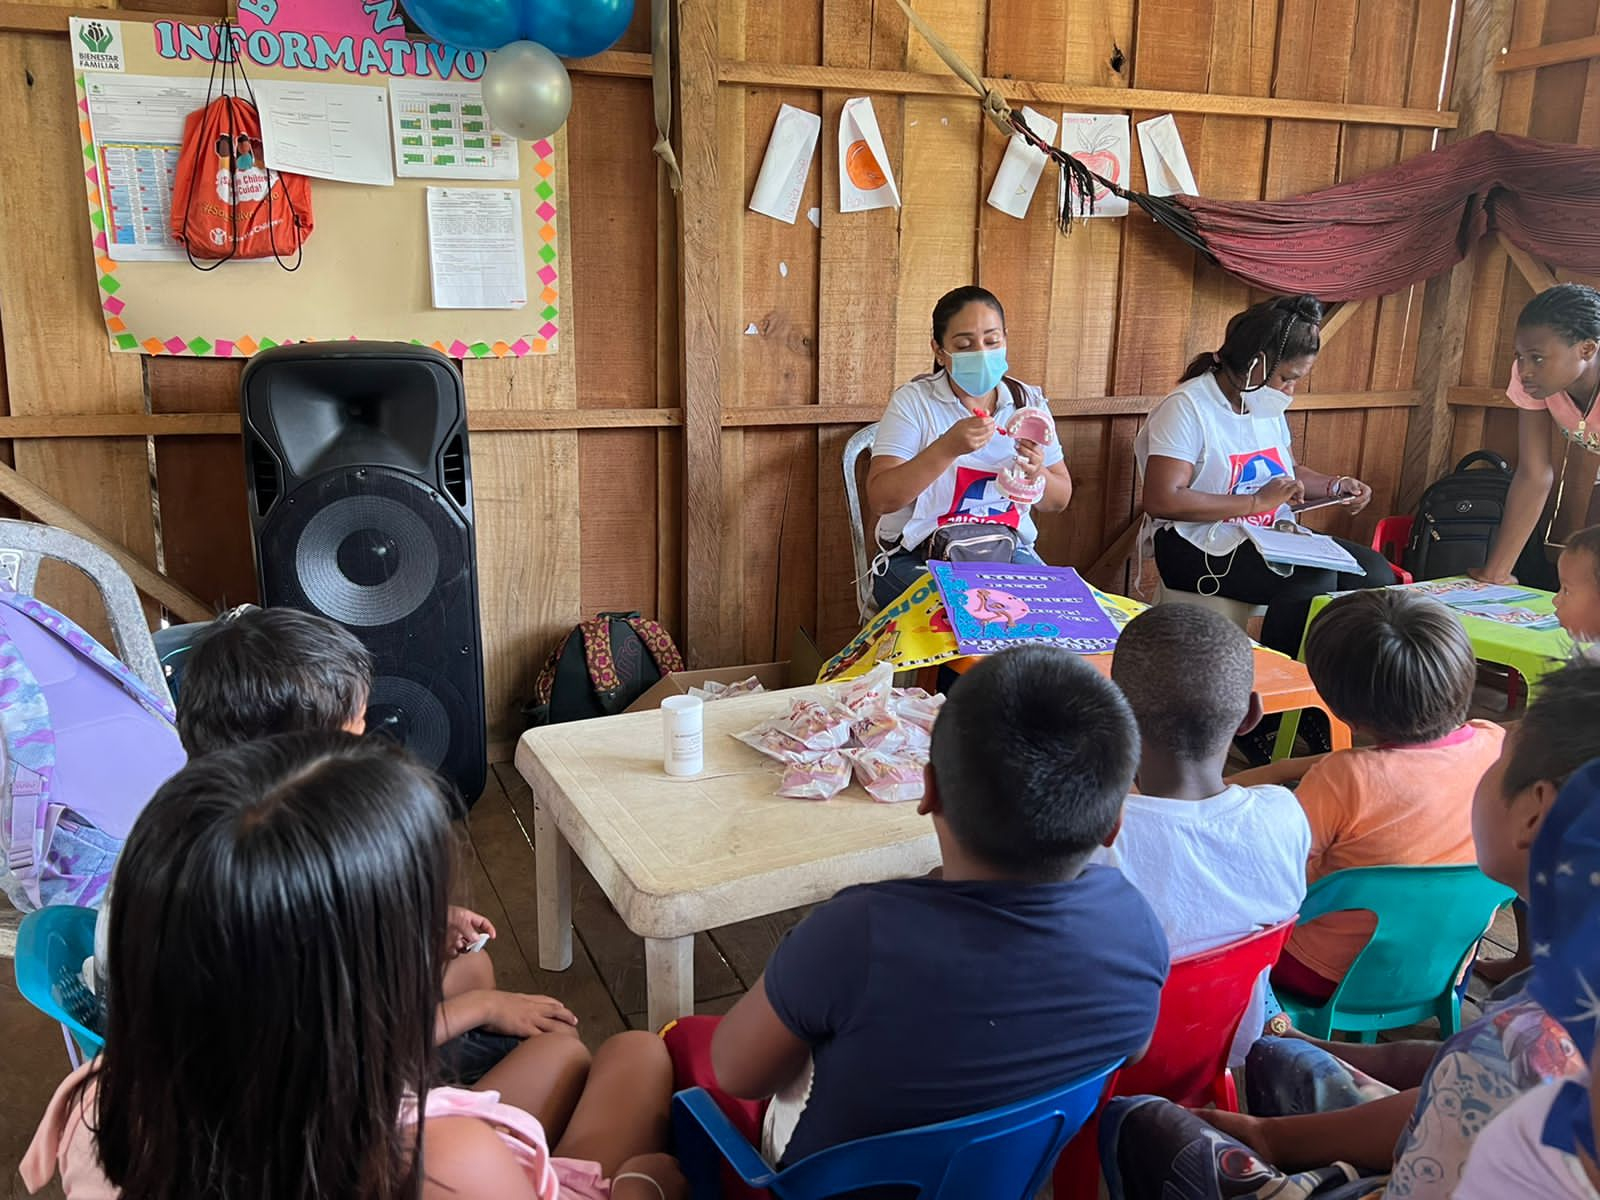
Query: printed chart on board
x=441 y=131
x=138 y=128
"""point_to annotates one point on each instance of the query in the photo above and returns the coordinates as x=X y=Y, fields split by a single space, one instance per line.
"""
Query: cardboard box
x=800 y=671
x=773 y=676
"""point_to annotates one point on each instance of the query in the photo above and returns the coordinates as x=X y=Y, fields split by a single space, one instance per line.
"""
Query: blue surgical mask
x=978 y=372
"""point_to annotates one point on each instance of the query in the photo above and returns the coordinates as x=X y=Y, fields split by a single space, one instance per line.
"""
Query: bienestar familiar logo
x=97 y=45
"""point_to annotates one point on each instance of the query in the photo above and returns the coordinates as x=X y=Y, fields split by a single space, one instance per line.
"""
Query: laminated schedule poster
x=441 y=131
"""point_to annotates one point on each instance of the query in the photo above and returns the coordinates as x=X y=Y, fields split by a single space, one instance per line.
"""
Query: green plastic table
x=1532 y=653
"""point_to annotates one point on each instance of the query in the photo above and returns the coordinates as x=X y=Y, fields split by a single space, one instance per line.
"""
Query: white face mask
x=1267 y=402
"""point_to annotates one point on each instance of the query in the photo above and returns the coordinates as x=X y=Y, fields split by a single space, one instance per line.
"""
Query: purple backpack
x=85 y=745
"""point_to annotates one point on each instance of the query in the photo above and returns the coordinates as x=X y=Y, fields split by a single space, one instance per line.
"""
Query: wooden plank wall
x=789 y=337
x=1560 y=103
x=834 y=315
x=569 y=520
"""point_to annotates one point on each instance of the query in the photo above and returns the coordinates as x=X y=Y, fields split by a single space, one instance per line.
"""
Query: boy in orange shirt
x=1397 y=667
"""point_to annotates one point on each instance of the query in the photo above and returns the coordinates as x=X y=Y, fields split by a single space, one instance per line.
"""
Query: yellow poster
x=913 y=632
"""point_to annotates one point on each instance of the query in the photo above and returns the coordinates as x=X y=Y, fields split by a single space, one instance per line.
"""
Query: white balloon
x=526 y=91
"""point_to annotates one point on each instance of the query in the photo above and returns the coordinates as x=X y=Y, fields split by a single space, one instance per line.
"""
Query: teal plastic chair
x=1003 y=1154
x=51 y=946
x=1429 y=923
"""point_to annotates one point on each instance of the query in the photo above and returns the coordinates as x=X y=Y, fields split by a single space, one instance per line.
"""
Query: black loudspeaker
x=360 y=489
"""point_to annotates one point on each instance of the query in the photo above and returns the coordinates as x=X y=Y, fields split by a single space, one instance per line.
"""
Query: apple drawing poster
x=1101 y=142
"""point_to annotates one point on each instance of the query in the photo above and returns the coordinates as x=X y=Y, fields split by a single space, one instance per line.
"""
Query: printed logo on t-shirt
x=978 y=500
x=1248 y=473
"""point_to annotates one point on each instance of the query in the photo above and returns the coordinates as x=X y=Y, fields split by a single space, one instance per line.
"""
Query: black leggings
x=1248 y=578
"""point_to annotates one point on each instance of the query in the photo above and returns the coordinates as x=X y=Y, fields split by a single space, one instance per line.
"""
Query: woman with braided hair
x=1216 y=454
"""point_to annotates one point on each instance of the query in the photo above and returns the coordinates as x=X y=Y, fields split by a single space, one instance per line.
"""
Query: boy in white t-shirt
x=1216 y=862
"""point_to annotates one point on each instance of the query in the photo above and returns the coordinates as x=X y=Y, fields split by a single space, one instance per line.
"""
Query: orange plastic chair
x=1390 y=539
x=1204 y=1000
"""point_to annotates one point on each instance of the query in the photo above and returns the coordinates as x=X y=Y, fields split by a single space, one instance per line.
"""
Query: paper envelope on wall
x=1102 y=143
x=1018 y=176
x=787 y=164
x=866 y=180
x=1166 y=166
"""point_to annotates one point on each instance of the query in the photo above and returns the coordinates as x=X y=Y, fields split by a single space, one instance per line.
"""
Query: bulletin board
x=366 y=268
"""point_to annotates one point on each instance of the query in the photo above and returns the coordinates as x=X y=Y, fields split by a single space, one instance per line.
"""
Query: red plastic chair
x=1390 y=539
x=1204 y=1000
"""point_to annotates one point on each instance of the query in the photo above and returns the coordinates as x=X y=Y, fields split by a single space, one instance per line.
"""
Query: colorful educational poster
x=991 y=606
x=441 y=131
x=137 y=121
x=367 y=269
x=914 y=632
x=1102 y=143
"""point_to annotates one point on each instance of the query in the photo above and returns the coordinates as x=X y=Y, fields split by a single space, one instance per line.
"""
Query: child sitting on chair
x=1320 y=1113
x=278 y=944
x=1217 y=861
x=1397 y=667
x=905 y=1003
x=278 y=670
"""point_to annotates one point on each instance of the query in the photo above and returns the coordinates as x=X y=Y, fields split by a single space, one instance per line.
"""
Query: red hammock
x=1405 y=224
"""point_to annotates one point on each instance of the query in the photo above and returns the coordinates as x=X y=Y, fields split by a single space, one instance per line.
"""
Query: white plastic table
x=678 y=856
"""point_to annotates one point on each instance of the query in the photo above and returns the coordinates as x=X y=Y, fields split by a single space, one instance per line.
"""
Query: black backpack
x=1457 y=519
x=600 y=668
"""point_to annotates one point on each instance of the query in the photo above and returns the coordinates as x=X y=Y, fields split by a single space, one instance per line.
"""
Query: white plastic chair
x=1236 y=611
x=860 y=443
x=24 y=545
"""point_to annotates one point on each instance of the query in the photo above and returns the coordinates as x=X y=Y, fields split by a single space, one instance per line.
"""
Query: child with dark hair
x=278 y=951
x=1217 y=861
x=272 y=670
x=904 y=1003
x=1577 y=604
x=1554 y=377
x=1344 y=1121
x=266 y=671
x=1397 y=667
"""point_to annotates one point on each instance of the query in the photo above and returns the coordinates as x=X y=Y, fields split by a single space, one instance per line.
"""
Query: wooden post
x=1485 y=29
x=699 y=218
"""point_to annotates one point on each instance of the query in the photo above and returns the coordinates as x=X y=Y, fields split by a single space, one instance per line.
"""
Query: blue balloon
x=576 y=28
x=571 y=28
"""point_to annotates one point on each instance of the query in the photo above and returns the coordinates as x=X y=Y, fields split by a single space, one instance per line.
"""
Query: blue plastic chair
x=1003 y=1154
x=51 y=946
x=1429 y=922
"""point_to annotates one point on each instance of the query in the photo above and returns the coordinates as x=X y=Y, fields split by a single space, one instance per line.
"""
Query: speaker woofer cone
x=366 y=560
x=413 y=715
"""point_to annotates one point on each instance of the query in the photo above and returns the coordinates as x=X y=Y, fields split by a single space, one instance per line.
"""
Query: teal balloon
x=571 y=28
x=469 y=24
x=576 y=28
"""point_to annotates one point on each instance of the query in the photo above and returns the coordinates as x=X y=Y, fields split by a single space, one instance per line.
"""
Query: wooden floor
x=605 y=984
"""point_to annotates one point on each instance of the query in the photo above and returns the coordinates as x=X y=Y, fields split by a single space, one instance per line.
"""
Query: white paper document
x=1018 y=176
x=441 y=131
x=1166 y=164
x=475 y=250
x=137 y=125
x=787 y=164
x=1301 y=549
x=866 y=181
x=326 y=130
x=1102 y=143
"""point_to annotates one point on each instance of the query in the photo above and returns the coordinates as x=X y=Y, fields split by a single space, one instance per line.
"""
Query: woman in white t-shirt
x=940 y=446
x=1216 y=455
